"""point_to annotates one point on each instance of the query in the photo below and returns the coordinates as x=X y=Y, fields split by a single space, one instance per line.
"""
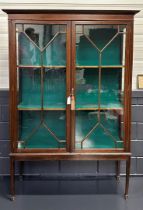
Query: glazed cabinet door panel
x=42 y=84
x=99 y=74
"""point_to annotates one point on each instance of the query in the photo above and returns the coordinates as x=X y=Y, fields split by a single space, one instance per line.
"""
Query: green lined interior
x=55 y=120
x=55 y=88
x=29 y=54
x=53 y=55
x=88 y=94
x=87 y=88
x=86 y=120
x=29 y=88
x=54 y=91
x=87 y=54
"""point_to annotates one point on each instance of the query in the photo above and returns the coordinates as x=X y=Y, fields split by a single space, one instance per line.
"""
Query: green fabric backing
x=29 y=88
x=54 y=88
x=55 y=53
x=54 y=91
x=87 y=54
x=87 y=88
x=55 y=120
x=86 y=120
x=52 y=55
x=29 y=54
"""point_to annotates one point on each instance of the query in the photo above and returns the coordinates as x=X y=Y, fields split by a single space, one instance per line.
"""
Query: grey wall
x=75 y=168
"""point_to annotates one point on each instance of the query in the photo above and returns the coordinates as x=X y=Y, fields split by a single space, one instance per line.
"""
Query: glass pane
x=28 y=53
x=106 y=94
x=41 y=45
x=93 y=41
x=35 y=134
x=86 y=54
x=55 y=88
x=87 y=88
x=91 y=134
x=41 y=81
x=111 y=54
x=29 y=88
x=112 y=87
x=41 y=35
x=55 y=53
x=100 y=57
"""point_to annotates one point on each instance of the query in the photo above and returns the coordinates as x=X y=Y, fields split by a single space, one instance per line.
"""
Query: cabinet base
x=71 y=156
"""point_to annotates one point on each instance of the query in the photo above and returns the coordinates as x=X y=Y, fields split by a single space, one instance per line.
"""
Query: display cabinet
x=70 y=86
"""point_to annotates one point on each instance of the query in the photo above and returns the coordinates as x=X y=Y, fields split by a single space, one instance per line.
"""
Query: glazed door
x=43 y=85
x=71 y=85
x=98 y=86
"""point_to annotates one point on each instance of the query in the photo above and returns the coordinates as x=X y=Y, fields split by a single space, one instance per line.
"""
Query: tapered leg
x=118 y=170
x=97 y=166
x=128 y=165
x=12 y=180
x=21 y=169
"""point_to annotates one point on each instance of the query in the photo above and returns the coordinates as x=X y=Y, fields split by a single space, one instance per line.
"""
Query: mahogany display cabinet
x=70 y=86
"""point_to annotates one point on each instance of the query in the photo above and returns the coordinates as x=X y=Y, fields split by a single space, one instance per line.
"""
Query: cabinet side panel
x=13 y=86
x=128 y=84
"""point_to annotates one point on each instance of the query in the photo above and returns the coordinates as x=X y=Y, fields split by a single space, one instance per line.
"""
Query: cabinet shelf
x=102 y=66
x=102 y=109
x=114 y=106
x=29 y=66
x=38 y=108
x=79 y=67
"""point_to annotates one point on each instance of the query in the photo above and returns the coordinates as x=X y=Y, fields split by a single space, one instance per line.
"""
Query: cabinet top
x=71 y=15
x=107 y=12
